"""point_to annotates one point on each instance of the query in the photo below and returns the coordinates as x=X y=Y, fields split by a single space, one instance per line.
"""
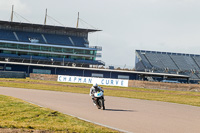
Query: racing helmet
x=95 y=85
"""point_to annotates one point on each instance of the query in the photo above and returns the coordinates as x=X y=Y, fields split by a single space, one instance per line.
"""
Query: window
x=7 y=52
x=78 y=51
x=56 y=50
x=123 y=77
x=35 y=47
x=41 y=71
x=8 y=68
x=46 y=48
x=21 y=53
x=98 y=75
x=24 y=47
x=65 y=50
x=78 y=57
x=89 y=52
x=2 y=45
x=12 y=45
x=88 y=58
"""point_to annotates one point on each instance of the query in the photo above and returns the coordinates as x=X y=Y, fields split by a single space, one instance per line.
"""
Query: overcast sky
x=127 y=25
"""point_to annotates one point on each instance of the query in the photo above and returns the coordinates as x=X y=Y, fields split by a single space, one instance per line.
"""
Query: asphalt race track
x=132 y=115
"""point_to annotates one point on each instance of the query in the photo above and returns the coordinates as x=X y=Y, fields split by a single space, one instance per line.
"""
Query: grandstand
x=45 y=44
x=167 y=62
x=45 y=49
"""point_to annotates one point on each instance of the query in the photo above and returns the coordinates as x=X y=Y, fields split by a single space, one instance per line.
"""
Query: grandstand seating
x=26 y=56
x=181 y=62
x=9 y=55
x=186 y=64
x=145 y=61
x=7 y=35
x=193 y=76
x=61 y=59
x=167 y=62
x=154 y=59
x=50 y=38
x=198 y=75
x=191 y=63
x=58 y=39
x=78 y=41
x=197 y=60
x=24 y=36
x=88 y=62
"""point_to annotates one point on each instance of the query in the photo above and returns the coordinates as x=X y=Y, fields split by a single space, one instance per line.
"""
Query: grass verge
x=181 y=97
x=17 y=114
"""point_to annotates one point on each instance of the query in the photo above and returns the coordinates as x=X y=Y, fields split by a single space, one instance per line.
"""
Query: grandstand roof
x=18 y=25
x=169 y=53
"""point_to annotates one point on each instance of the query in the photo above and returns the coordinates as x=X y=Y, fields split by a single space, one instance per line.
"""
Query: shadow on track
x=119 y=110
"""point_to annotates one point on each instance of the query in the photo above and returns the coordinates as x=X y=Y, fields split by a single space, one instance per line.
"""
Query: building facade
x=43 y=44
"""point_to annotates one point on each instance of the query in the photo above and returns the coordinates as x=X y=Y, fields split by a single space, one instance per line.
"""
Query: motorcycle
x=99 y=100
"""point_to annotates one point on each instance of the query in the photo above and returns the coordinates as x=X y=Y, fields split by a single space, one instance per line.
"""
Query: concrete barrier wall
x=135 y=83
x=12 y=74
x=49 y=77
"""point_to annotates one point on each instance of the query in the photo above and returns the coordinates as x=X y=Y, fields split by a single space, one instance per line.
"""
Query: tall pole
x=45 y=20
x=12 y=13
x=77 y=21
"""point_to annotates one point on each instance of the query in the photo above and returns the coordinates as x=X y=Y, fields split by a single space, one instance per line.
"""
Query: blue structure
x=167 y=62
x=44 y=44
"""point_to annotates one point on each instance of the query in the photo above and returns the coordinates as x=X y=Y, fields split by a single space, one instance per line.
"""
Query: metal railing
x=99 y=48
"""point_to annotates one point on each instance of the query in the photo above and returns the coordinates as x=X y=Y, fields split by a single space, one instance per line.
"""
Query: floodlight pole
x=12 y=13
x=45 y=20
x=77 y=21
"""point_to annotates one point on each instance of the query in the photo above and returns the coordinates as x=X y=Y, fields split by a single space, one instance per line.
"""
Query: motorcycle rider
x=95 y=88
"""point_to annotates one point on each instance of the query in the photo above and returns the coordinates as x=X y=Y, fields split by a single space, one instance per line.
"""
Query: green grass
x=17 y=114
x=181 y=97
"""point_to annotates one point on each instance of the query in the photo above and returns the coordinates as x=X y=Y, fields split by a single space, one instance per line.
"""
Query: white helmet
x=95 y=85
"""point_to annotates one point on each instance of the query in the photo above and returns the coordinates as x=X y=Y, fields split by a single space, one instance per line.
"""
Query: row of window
x=98 y=75
x=47 y=55
x=47 y=49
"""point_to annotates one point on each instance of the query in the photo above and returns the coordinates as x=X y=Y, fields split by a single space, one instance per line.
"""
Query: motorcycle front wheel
x=98 y=101
x=103 y=104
